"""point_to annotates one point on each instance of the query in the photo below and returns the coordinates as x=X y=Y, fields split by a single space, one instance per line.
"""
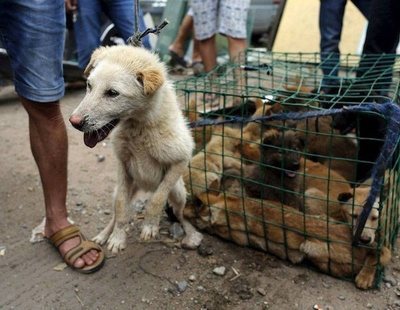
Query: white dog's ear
x=97 y=55
x=151 y=80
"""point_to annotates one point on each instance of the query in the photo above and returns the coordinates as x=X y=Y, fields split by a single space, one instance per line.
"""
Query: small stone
x=182 y=286
x=79 y=204
x=205 y=250
x=107 y=212
x=369 y=306
x=30 y=189
x=261 y=291
x=192 y=278
x=341 y=297
x=201 y=288
x=326 y=285
x=2 y=250
x=176 y=231
x=219 y=271
x=100 y=158
x=122 y=301
x=390 y=279
x=60 y=267
x=317 y=307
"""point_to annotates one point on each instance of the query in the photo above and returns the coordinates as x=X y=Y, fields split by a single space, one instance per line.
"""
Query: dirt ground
x=145 y=275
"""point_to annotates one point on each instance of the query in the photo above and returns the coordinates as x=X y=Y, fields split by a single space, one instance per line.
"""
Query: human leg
x=363 y=6
x=49 y=145
x=382 y=38
x=205 y=28
x=87 y=30
x=184 y=32
x=35 y=44
x=330 y=25
x=236 y=47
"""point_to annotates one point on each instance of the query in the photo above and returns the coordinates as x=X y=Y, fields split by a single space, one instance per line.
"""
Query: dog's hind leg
x=177 y=199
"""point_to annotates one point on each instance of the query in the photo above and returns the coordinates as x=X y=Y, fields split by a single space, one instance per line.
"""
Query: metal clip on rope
x=136 y=39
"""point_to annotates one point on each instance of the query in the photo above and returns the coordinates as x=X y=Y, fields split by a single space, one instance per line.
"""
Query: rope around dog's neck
x=390 y=111
x=136 y=38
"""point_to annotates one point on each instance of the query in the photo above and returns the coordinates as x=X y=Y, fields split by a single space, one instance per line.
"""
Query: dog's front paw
x=101 y=238
x=192 y=241
x=117 y=240
x=149 y=231
x=365 y=278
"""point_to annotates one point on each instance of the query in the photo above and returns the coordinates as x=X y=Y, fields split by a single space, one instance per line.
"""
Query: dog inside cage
x=285 y=164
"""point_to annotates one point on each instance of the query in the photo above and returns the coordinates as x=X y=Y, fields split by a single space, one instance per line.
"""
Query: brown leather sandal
x=83 y=247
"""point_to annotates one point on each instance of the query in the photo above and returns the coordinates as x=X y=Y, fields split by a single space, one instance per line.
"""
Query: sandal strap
x=85 y=246
x=65 y=234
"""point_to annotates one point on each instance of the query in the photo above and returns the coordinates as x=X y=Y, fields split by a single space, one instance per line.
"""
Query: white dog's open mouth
x=91 y=138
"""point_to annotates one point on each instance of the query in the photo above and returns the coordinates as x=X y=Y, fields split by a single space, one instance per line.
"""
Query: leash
x=390 y=111
x=136 y=38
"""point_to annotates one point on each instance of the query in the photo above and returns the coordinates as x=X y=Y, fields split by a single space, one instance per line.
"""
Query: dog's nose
x=365 y=240
x=76 y=121
x=296 y=166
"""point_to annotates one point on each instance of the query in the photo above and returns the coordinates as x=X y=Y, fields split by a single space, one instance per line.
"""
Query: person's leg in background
x=122 y=13
x=35 y=43
x=177 y=47
x=382 y=38
x=205 y=13
x=87 y=29
x=330 y=26
x=233 y=16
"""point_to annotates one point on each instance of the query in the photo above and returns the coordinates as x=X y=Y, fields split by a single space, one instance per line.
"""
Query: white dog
x=127 y=88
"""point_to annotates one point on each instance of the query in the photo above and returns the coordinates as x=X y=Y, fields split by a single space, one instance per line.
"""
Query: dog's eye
x=89 y=86
x=374 y=218
x=112 y=93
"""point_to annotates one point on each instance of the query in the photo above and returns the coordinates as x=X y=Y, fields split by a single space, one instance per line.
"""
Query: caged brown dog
x=288 y=234
x=207 y=166
x=128 y=92
x=276 y=177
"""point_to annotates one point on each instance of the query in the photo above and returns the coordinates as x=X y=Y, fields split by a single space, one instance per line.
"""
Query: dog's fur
x=276 y=178
x=253 y=132
x=322 y=142
x=201 y=135
x=207 y=166
x=328 y=193
x=279 y=230
x=329 y=185
x=152 y=143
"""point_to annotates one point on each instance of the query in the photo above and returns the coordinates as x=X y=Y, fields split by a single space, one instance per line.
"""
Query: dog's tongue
x=290 y=174
x=90 y=139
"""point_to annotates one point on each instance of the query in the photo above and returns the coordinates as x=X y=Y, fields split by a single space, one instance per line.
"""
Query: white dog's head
x=121 y=80
x=352 y=207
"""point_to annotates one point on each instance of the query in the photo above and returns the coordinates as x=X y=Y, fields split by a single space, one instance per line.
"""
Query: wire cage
x=295 y=187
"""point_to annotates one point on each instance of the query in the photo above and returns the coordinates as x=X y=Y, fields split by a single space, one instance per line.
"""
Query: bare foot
x=87 y=259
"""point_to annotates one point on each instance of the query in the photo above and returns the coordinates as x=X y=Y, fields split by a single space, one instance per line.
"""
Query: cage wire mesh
x=295 y=188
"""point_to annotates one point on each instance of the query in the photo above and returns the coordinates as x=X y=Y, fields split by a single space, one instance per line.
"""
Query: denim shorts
x=32 y=32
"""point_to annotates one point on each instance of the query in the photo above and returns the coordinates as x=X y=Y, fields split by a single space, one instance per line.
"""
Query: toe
x=87 y=259
x=93 y=255
x=79 y=263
